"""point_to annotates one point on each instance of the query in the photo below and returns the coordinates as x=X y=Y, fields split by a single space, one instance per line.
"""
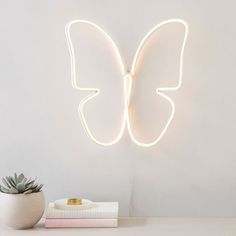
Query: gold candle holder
x=74 y=201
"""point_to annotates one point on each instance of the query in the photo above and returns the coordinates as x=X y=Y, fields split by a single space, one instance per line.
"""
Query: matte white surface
x=21 y=211
x=191 y=172
x=143 y=226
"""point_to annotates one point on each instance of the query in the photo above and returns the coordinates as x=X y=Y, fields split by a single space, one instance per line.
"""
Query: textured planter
x=21 y=211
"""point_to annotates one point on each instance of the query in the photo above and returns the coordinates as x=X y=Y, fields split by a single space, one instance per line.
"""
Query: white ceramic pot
x=21 y=211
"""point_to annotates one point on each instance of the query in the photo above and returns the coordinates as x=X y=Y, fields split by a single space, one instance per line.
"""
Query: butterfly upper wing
x=156 y=69
x=97 y=68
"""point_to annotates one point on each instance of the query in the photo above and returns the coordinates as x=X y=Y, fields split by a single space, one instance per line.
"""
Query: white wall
x=191 y=172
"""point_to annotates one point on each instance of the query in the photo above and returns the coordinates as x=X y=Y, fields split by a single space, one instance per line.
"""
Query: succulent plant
x=19 y=184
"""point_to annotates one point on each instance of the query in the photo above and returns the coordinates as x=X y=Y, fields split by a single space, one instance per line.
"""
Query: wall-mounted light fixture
x=127 y=78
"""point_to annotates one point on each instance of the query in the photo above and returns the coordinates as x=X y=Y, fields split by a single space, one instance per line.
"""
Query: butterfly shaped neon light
x=128 y=78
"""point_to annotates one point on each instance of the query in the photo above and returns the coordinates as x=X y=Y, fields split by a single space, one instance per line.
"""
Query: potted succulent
x=21 y=202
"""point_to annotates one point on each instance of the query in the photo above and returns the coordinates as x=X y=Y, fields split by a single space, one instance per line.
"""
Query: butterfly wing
x=156 y=69
x=97 y=68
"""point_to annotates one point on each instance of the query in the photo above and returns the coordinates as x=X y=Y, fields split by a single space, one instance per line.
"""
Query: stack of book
x=102 y=214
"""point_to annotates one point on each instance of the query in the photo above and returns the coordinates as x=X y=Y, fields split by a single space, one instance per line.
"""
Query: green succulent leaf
x=24 y=180
x=3 y=189
x=28 y=191
x=15 y=177
x=13 y=191
x=19 y=184
x=20 y=178
x=29 y=181
x=10 y=182
x=39 y=188
x=5 y=182
x=20 y=187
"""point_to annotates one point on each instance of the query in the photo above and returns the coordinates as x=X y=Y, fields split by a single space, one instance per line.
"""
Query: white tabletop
x=142 y=226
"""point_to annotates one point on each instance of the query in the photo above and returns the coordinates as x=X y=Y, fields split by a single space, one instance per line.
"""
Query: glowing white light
x=127 y=77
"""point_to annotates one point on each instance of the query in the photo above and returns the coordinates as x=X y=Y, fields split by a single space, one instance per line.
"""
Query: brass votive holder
x=74 y=201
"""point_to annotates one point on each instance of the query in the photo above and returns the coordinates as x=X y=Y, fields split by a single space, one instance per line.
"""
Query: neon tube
x=128 y=78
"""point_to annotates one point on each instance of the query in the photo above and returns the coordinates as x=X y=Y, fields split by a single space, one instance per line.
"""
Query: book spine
x=81 y=223
x=52 y=214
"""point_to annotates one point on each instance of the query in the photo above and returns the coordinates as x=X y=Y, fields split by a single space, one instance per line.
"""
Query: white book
x=102 y=210
x=81 y=223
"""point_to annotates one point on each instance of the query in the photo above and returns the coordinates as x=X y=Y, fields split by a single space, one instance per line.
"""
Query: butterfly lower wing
x=97 y=68
x=156 y=69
